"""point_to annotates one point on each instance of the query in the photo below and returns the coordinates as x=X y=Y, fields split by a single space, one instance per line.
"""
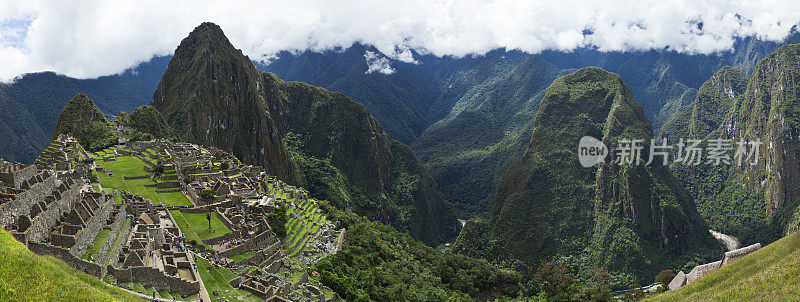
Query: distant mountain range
x=467 y=119
x=29 y=106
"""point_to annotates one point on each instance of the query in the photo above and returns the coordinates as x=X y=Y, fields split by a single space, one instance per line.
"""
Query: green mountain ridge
x=213 y=95
x=755 y=203
x=630 y=220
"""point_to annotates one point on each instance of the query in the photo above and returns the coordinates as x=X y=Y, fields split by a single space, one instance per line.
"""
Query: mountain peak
x=209 y=39
x=207 y=31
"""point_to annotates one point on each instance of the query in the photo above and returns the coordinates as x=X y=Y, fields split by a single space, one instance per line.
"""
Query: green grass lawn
x=97 y=244
x=133 y=166
x=195 y=226
x=217 y=279
x=25 y=276
x=769 y=274
x=243 y=256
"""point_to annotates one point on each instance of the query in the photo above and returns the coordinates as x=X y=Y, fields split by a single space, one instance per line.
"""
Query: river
x=730 y=242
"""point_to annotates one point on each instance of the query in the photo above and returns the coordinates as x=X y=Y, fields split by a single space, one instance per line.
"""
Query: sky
x=87 y=38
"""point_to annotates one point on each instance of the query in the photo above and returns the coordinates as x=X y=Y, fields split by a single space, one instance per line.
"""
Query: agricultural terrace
x=129 y=166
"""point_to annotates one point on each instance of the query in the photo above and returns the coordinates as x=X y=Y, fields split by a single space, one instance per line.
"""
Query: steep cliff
x=708 y=110
x=213 y=95
x=755 y=202
x=210 y=96
x=629 y=219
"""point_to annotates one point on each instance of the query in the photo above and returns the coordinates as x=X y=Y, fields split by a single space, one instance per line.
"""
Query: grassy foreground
x=25 y=276
x=769 y=274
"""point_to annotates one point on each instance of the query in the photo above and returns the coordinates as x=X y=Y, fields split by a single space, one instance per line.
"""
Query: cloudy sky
x=87 y=39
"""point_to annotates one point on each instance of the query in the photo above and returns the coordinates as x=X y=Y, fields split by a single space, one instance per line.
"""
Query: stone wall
x=151 y=277
x=702 y=270
x=117 y=249
x=42 y=223
x=87 y=235
x=64 y=255
x=169 y=184
x=739 y=253
x=116 y=227
x=21 y=205
x=255 y=243
x=14 y=174
x=682 y=279
x=260 y=256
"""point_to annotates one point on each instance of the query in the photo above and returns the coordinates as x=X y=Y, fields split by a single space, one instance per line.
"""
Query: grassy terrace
x=195 y=226
x=769 y=274
x=243 y=256
x=119 y=238
x=215 y=278
x=25 y=276
x=303 y=224
x=97 y=244
x=133 y=166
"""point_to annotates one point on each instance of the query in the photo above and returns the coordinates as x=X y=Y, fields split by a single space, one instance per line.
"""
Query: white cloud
x=89 y=38
x=377 y=62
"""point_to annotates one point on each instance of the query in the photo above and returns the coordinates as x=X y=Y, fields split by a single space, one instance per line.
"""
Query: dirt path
x=730 y=242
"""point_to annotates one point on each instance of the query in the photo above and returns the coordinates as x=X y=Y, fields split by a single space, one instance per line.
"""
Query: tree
x=92 y=177
x=159 y=168
x=635 y=293
x=665 y=277
x=555 y=281
x=600 y=289
x=277 y=221
x=206 y=195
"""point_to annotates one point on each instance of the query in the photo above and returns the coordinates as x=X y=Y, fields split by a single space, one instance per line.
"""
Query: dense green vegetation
x=469 y=118
x=82 y=119
x=755 y=203
x=25 y=276
x=146 y=119
x=378 y=263
x=769 y=274
x=708 y=110
x=30 y=105
x=550 y=208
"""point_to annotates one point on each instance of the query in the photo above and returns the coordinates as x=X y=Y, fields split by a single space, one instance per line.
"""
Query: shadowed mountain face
x=213 y=95
x=755 y=203
x=629 y=219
